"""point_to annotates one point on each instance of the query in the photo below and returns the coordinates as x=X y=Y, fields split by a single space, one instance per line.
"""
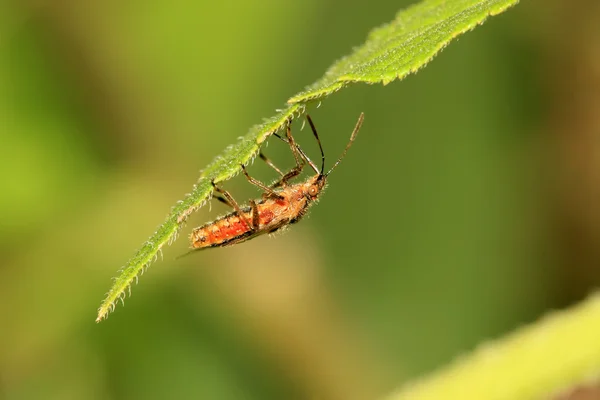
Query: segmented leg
x=255 y=216
x=297 y=157
x=234 y=204
x=294 y=147
x=258 y=183
x=222 y=200
x=270 y=163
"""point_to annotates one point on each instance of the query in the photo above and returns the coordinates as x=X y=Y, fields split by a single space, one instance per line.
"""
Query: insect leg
x=294 y=147
x=232 y=203
x=222 y=200
x=297 y=156
x=255 y=215
x=270 y=163
x=261 y=185
x=291 y=174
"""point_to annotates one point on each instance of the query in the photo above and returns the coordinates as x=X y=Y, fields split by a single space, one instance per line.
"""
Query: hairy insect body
x=282 y=203
x=273 y=213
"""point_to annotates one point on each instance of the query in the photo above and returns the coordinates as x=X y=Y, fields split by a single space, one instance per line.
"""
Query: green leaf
x=222 y=168
x=536 y=362
x=390 y=52
x=405 y=45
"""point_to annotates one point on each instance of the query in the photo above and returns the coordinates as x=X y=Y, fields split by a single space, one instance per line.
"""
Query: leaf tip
x=102 y=314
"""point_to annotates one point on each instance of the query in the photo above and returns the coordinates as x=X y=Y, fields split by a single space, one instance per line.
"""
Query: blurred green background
x=468 y=206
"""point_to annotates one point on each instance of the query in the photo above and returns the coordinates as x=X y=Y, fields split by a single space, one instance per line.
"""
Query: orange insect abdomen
x=271 y=213
x=218 y=232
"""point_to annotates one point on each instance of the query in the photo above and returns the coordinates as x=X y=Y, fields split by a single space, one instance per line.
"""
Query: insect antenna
x=352 y=137
x=316 y=135
x=314 y=131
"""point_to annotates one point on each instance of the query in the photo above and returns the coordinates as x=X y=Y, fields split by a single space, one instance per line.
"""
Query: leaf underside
x=222 y=168
x=391 y=52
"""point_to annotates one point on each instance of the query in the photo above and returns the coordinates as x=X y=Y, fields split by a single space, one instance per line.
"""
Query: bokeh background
x=468 y=206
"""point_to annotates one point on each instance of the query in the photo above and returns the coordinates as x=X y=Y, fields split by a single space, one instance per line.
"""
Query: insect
x=282 y=203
